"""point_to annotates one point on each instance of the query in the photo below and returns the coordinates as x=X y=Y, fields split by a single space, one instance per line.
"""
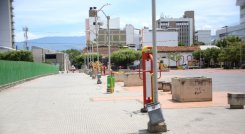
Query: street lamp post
x=154 y=50
x=226 y=30
x=109 y=44
x=87 y=57
x=97 y=43
x=157 y=113
x=241 y=54
x=98 y=58
x=108 y=37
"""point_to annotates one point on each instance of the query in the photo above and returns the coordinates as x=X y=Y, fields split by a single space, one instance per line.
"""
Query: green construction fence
x=12 y=71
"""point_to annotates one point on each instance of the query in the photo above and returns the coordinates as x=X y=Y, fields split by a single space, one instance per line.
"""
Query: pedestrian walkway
x=66 y=104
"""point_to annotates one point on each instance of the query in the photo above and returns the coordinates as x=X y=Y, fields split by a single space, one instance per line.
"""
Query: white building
x=184 y=51
x=6 y=24
x=132 y=36
x=128 y=36
x=185 y=26
x=238 y=30
x=163 y=37
x=91 y=28
x=206 y=47
x=52 y=57
x=241 y=3
x=203 y=36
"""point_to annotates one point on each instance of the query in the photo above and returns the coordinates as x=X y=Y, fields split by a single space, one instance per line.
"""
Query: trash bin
x=110 y=84
x=155 y=113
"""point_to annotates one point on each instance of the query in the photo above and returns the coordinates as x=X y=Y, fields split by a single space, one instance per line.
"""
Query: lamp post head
x=224 y=26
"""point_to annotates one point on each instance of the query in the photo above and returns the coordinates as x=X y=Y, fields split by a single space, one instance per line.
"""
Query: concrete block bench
x=164 y=86
x=119 y=76
x=132 y=79
x=236 y=100
x=160 y=85
x=192 y=89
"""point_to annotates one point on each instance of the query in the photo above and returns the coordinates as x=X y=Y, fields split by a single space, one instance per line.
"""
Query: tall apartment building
x=6 y=24
x=237 y=30
x=191 y=14
x=184 y=26
x=241 y=3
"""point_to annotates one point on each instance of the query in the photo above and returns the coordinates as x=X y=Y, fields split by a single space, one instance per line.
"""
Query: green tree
x=198 y=43
x=93 y=56
x=175 y=57
x=211 y=56
x=79 y=61
x=18 y=56
x=198 y=54
x=125 y=56
x=227 y=41
x=73 y=53
x=181 y=44
x=231 y=48
x=1 y=56
x=231 y=55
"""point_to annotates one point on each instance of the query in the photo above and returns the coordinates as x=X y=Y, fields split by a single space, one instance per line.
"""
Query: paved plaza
x=74 y=104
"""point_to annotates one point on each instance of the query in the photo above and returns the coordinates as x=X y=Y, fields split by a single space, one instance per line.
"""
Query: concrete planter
x=192 y=89
x=132 y=79
x=236 y=101
x=160 y=85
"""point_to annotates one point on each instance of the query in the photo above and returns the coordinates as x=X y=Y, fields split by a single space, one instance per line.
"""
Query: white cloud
x=47 y=15
x=19 y=36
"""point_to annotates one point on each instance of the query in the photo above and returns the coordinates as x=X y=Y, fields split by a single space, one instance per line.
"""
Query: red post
x=147 y=56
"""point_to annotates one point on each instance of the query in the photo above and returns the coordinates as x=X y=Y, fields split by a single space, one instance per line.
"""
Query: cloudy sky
x=67 y=17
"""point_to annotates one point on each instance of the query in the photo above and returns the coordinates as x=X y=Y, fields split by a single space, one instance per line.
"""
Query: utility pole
x=156 y=123
x=97 y=27
x=155 y=85
x=25 y=29
x=87 y=56
x=241 y=54
x=109 y=44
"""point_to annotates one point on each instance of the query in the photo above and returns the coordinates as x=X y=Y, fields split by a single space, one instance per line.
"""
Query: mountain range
x=57 y=43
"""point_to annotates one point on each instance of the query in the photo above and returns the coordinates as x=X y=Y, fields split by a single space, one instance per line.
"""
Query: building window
x=242 y=7
x=242 y=16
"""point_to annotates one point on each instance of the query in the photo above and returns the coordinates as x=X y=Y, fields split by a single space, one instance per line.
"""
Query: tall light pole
x=154 y=51
x=155 y=114
x=97 y=43
x=87 y=57
x=226 y=30
x=108 y=36
x=241 y=54
x=109 y=44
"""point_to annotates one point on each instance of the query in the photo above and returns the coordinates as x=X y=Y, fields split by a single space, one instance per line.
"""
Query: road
x=67 y=104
